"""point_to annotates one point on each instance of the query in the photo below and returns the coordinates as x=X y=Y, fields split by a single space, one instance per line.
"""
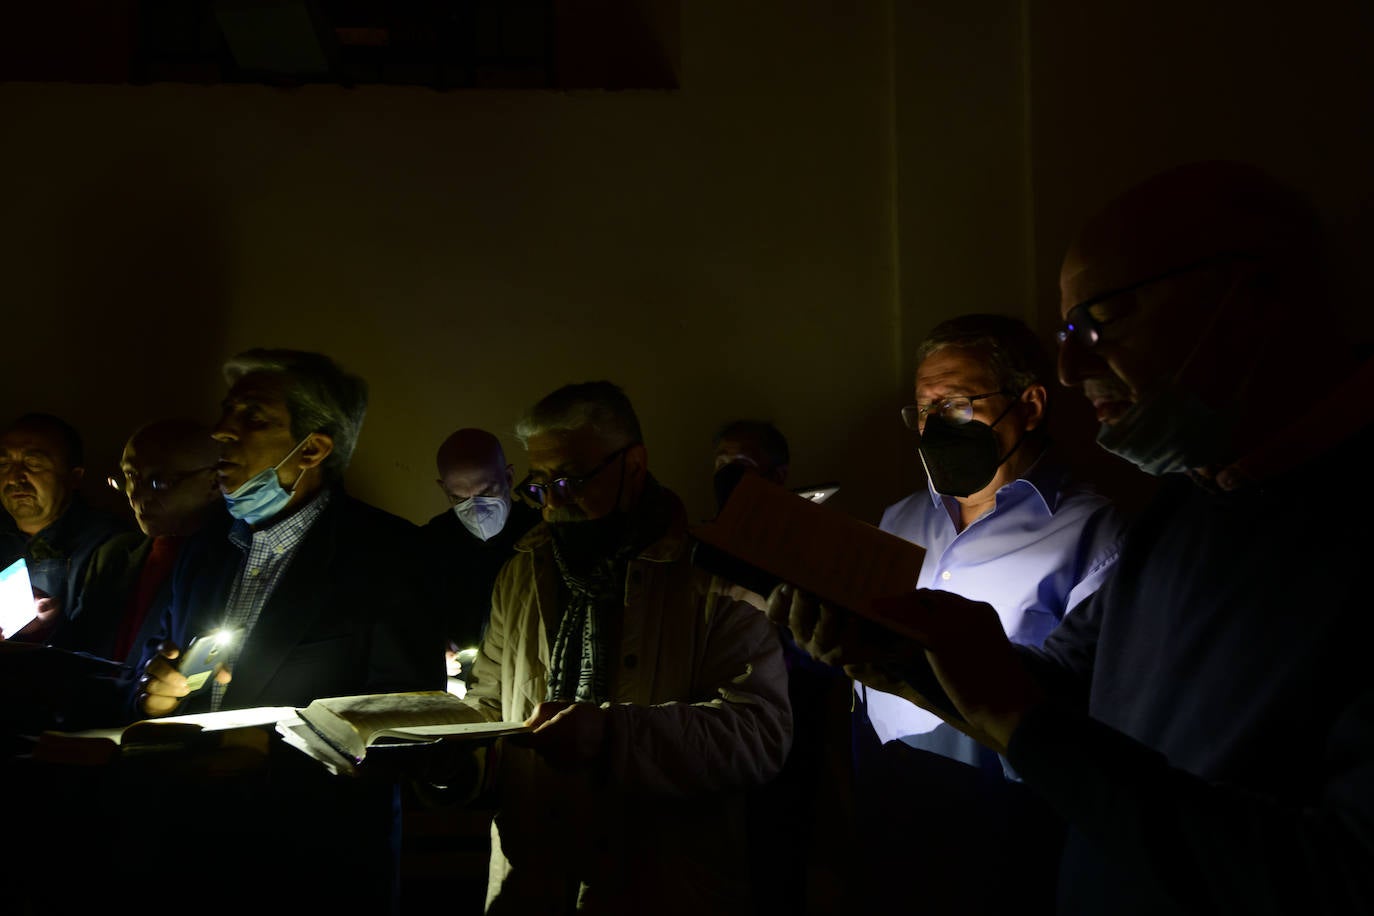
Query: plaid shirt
x=268 y=552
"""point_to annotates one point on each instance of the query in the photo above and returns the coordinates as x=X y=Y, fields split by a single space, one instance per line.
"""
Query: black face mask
x=725 y=481
x=961 y=458
x=584 y=544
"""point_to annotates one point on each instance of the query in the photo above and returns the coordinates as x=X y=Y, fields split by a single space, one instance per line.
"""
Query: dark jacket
x=59 y=554
x=461 y=569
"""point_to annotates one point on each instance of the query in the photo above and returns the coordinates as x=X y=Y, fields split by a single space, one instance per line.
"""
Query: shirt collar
x=285 y=534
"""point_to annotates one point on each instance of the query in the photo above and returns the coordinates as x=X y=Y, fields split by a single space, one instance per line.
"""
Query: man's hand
x=567 y=735
x=832 y=635
x=163 y=686
x=970 y=655
x=962 y=641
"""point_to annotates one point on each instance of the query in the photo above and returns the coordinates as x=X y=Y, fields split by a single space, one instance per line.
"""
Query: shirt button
x=631 y=660
x=945 y=575
x=254 y=571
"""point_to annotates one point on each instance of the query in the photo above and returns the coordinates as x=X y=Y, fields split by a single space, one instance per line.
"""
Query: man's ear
x=510 y=476
x=318 y=446
x=779 y=474
x=636 y=461
x=75 y=476
x=1033 y=401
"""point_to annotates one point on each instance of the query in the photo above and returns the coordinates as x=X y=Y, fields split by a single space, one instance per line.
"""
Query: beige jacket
x=699 y=713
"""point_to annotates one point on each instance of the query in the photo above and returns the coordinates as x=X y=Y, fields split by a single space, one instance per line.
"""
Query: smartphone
x=203 y=655
x=819 y=493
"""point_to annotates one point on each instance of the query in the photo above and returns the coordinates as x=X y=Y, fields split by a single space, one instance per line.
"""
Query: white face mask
x=484 y=516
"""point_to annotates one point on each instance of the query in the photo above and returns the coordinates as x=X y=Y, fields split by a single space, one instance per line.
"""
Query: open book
x=336 y=731
x=339 y=731
x=97 y=746
x=767 y=534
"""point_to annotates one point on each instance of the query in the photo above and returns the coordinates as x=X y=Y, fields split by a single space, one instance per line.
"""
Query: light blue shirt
x=1046 y=545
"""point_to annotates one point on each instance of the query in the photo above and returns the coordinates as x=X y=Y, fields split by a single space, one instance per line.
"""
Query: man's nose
x=1076 y=362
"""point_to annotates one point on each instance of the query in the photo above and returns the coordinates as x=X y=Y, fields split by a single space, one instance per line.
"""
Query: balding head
x=471 y=462
x=168 y=469
x=1184 y=298
x=1188 y=214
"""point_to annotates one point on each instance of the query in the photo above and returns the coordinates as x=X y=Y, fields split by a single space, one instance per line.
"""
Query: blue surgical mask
x=483 y=516
x=262 y=496
x=1169 y=433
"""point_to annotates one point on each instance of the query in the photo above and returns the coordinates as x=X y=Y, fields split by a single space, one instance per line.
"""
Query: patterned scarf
x=581 y=656
x=580 y=651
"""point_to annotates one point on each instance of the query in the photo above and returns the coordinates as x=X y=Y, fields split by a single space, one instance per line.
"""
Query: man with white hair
x=656 y=700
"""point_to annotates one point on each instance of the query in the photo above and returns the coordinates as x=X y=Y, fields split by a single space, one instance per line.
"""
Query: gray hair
x=320 y=395
x=601 y=406
x=1016 y=357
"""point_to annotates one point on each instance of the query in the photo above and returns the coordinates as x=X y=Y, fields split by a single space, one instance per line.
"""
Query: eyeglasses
x=125 y=481
x=957 y=410
x=565 y=488
x=1084 y=322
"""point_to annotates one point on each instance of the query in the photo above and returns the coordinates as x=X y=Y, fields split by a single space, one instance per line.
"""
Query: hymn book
x=336 y=731
x=339 y=731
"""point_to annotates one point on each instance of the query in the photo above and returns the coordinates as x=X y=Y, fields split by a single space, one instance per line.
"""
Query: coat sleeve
x=738 y=738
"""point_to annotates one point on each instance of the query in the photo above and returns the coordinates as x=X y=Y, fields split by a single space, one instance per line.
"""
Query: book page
x=351 y=724
x=819 y=549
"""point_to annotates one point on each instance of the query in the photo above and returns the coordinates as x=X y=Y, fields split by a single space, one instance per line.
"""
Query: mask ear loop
x=1003 y=460
x=277 y=467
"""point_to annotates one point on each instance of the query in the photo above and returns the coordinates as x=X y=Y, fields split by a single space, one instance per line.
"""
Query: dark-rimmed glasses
x=957 y=410
x=1084 y=322
x=565 y=488
x=125 y=481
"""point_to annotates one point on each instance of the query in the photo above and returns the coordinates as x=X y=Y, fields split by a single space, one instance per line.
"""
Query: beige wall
x=771 y=239
x=720 y=250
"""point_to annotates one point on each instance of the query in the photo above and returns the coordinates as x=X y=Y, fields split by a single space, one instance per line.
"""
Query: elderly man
x=657 y=700
x=1202 y=721
x=167 y=471
x=469 y=544
x=322 y=589
x=47 y=521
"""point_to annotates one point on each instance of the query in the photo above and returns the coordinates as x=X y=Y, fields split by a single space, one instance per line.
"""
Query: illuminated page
x=840 y=559
x=17 y=605
x=352 y=724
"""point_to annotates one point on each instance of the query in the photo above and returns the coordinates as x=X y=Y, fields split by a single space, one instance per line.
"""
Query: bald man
x=471 y=541
x=167 y=472
x=1203 y=721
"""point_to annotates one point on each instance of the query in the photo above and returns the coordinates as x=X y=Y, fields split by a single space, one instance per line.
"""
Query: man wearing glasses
x=47 y=521
x=1002 y=521
x=166 y=472
x=1203 y=721
x=657 y=700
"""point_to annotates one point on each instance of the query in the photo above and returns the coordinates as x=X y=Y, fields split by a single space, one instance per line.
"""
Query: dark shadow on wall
x=133 y=315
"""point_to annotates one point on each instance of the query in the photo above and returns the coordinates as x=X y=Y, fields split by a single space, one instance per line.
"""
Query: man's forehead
x=31 y=442
x=565 y=448
x=1177 y=217
x=953 y=368
x=258 y=388
x=473 y=478
x=746 y=445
